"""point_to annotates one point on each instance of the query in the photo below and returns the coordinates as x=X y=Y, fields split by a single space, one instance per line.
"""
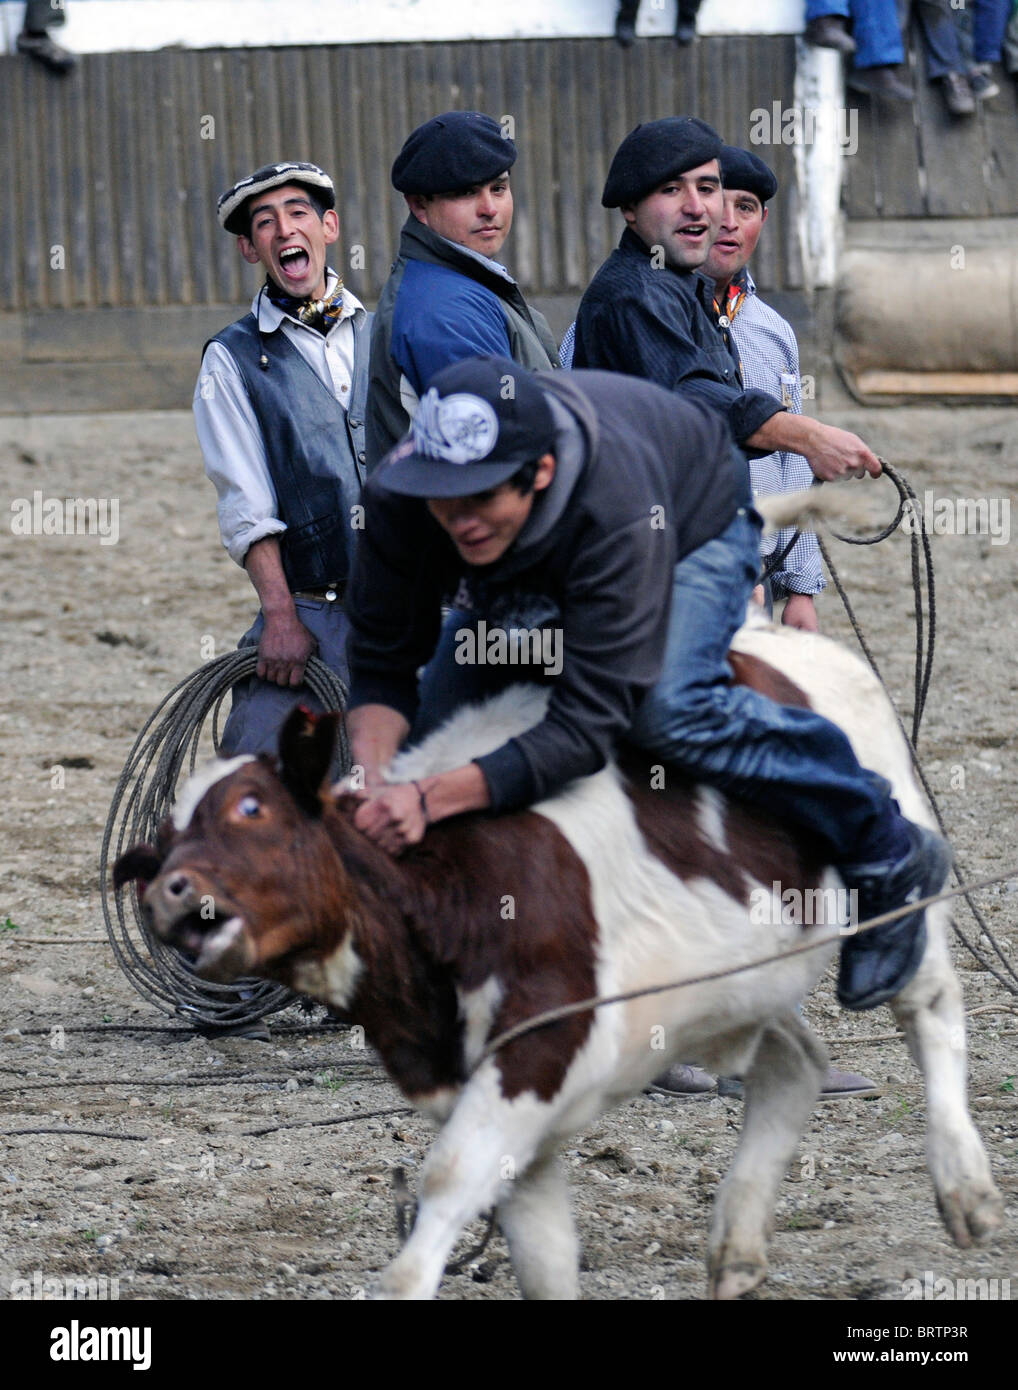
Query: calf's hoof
x=732 y=1280
x=970 y=1217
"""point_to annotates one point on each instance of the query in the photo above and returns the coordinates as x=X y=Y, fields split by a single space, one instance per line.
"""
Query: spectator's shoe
x=958 y=96
x=838 y=1085
x=847 y=1085
x=982 y=82
x=876 y=964
x=830 y=31
x=625 y=32
x=685 y=31
x=680 y=1080
x=42 y=48
x=881 y=82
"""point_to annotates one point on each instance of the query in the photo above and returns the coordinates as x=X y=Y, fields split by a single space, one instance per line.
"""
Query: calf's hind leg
x=782 y=1086
x=537 y=1221
x=930 y=1011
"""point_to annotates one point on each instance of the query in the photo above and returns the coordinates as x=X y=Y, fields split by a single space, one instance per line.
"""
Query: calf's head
x=243 y=878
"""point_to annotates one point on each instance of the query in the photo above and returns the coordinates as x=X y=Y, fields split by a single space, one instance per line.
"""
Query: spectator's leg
x=1011 y=45
x=625 y=22
x=34 y=40
x=989 y=22
x=827 y=25
x=685 y=21
x=260 y=707
x=880 y=51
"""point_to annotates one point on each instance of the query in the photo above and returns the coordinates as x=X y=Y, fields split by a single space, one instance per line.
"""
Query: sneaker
x=685 y=31
x=42 y=48
x=982 y=82
x=958 y=96
x=882 y=82
x=830 y=31
x=877 y=964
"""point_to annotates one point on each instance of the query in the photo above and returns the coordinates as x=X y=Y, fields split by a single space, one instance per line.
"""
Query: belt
x=330 y=594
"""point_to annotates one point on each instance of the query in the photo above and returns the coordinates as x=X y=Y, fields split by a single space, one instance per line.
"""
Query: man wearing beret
x=769 y=360
x=280 y=409
x=627 y=510
x=447 y=297
x=647 y=313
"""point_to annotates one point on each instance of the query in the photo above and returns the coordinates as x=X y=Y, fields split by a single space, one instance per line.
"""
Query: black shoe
x=685 y=32
x=830 y=31
x=880 y=82
x=958 y=96
x=42 y=48
x=877 y=964
x=625 y=33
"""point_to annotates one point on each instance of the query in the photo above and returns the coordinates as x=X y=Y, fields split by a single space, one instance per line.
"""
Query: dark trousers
x=41 y=15
x=687 y=10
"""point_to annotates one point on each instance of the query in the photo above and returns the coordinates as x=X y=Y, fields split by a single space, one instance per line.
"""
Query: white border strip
x=107 y=26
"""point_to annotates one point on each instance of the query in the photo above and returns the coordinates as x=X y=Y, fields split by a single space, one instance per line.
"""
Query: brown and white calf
x=614 y=884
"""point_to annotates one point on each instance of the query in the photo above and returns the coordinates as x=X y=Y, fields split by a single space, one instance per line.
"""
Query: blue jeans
x=790 y=762
x=989 y=21
x=875 y=28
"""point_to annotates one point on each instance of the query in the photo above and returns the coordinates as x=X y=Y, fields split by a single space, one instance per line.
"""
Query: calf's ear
x=306 y=744
x=140 y=861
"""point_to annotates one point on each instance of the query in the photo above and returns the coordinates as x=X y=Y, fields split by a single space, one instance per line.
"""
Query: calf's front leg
x=486 y=1145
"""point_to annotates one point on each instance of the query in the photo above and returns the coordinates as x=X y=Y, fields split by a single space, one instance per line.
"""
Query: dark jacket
x=654 y=322
x=658 y=476
x=454 y=306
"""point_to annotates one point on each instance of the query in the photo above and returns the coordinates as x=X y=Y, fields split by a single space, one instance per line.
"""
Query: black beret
x=743 y=170
x=455 y=150
x=231 y=208
x=655 y=152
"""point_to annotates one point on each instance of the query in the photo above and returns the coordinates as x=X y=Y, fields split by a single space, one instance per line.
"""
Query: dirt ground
x=186 y=1202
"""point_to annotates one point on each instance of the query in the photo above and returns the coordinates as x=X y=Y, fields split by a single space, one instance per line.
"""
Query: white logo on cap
x=459 y=429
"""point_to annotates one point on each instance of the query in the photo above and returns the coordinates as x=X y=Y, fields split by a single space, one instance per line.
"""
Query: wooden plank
x=999 y=125
x=889 y=383
x=158 y=220
x=79 y=192
x=521 y=251
x=104 y=194
x=11 y=213
x=567 y=212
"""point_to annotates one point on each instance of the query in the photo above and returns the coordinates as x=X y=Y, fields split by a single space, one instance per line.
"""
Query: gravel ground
x=185 y=1202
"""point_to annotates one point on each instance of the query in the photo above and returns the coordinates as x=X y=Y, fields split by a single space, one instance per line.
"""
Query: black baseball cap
x=477 y=423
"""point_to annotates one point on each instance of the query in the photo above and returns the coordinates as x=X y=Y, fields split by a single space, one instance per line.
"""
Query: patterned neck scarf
x=319 y=314
x=734 y=297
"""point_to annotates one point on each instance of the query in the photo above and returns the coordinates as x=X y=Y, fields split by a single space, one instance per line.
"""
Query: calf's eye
x=249 y=806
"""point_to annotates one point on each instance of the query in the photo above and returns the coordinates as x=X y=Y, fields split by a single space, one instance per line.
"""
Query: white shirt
x=228 y=431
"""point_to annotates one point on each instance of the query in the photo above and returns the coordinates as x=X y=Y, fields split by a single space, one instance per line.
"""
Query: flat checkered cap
x=230 y=208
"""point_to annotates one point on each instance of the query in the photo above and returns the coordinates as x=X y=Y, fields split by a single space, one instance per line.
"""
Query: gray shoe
x=830 y=31
x=843 y=1085
x=982 y=82
x=681 y=1080
x=958 y=96
x=882 y=83
x=43 y=49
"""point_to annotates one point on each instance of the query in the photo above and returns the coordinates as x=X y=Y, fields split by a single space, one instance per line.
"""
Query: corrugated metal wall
x=109 y=188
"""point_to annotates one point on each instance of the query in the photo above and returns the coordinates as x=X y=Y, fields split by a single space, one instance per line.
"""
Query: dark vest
x=314 y=448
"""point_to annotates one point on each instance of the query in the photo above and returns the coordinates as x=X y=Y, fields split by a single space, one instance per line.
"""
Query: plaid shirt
x=770 y=362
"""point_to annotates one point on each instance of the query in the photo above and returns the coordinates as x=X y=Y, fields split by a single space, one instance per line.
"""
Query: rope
x=145 y=793
x=542 y=1020
x=908 y=501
